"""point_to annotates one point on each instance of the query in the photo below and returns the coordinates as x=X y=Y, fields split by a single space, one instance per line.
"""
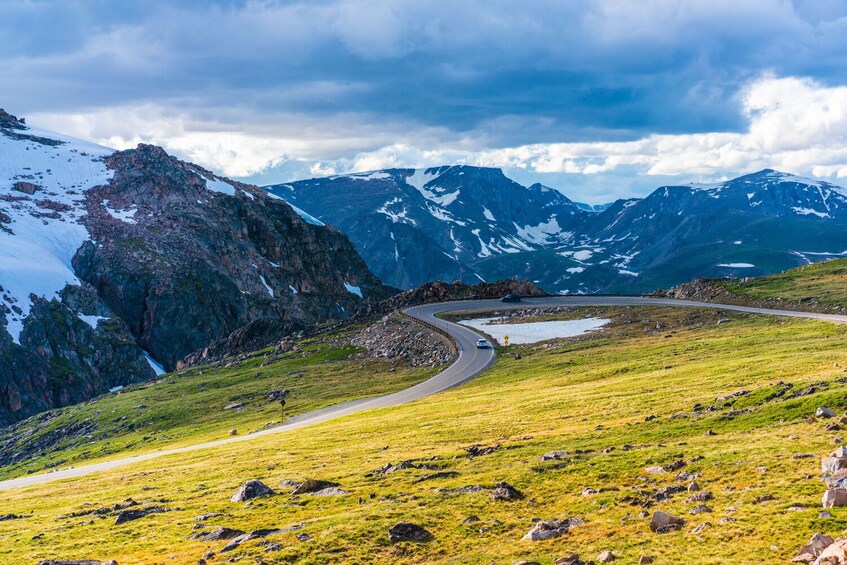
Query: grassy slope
x=187 y=407
x=825 y=283
x=590 y=395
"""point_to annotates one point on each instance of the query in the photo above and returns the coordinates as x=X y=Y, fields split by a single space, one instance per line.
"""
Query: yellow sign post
x=505 y=340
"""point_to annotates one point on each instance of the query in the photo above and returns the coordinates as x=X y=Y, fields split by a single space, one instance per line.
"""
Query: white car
x=482 y=344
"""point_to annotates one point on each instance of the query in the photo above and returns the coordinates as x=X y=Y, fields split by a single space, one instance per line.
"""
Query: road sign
x=505 y=340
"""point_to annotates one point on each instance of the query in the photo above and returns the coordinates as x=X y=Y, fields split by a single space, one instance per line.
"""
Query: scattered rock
x=693 y=487
x=504 y=491
x=570 y=559
x=764 y=498
x=702 y=496
x=834 y=554
x=407 y=531
x=605 y=557
x=824 y=413
x=700 y=527
x=236 y=541
x=251 y=489
x=834 y=497
x=461 y=490
x=331 y=491
x=470 y=520
x=662 y=522
x=437 y=475
x=477 y=450
x=546 y=529
x=655 y=470
x=233 y=432
x=554 y=456
x=221 y=534
x=700 y=509
x=313 y=485
x=76 y=562
x=130 y=515
x=813 y=549
x=645 y=560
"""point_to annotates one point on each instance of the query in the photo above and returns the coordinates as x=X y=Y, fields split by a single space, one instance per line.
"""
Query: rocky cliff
x=114 y=263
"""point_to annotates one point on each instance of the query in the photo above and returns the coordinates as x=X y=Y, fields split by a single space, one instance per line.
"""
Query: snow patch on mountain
x=308 y=218
x=43 y=180
x=126 y=216
x=352 y=289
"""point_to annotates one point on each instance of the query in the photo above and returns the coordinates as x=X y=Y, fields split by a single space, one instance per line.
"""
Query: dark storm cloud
x=559 y=70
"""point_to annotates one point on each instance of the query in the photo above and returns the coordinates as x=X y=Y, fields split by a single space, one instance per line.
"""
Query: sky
x=600 y=99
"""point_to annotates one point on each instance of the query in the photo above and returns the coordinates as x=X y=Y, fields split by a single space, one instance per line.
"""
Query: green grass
x=591 y=394
x=822 y=283
x=188 y=407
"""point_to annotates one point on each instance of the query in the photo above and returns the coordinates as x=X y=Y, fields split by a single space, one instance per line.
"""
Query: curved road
x=470 y=363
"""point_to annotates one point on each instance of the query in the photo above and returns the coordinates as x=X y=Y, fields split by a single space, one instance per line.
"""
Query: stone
x=700 y=509
x=702 y=496
x=505 y=491
x=76 y=562
x=554 y=456
x=834 y=554
x=709 y=433
x=824 y=515
x=547 y=529
x=605 y=557
x=255 y=534
x=662 y=522
x=834 y=497
x=817 y=543
x=527 y=563
x=700 y=527
x=655 y=470
x=26 y=187
x=233 y=432
x=313 y=485
x=693 y=487
x=222 y=534
x=569 y=559
x=645 y=560
x=251 y=489
x=824 y=413
x=130 y=515
x=331 y=491
x=407 y=531
x=588 y=491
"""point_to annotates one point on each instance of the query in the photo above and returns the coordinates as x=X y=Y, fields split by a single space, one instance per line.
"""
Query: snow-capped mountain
x=114 y=264
x=413 y=226
x=468 y=222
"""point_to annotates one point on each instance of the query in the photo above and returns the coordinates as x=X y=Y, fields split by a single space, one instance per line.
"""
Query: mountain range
x=116 y=265
x=472 y=223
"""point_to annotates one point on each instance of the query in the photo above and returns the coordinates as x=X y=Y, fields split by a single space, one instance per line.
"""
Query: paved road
x=470 y=363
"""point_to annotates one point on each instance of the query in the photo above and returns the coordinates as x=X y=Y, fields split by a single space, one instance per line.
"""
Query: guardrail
x=431 y=327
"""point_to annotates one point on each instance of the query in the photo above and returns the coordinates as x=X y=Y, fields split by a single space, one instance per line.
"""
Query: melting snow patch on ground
x=353 y=289
x=737 y=265
x=809 y=212
x=534 y=332
x=267 y=286
x=220 y=186
x=155 y=365
x=308 y=218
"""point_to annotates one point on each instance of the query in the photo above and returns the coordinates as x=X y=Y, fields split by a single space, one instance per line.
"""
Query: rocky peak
x=7 y=120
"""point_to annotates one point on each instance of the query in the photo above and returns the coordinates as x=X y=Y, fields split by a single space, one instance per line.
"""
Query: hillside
x=743 y=435
x=819 y=287
x=116 y=265
x=467 y=223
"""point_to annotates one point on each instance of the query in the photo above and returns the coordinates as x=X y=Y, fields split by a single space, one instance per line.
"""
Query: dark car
x=511 y=298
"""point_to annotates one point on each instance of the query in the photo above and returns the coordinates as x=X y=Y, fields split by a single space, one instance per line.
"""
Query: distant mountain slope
x=110 y=260
x=466 y=222
x=413 y=226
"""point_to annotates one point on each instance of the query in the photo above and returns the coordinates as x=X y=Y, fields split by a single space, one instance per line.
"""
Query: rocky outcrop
x=136 y=252
x=399 y=339
x=197 y=264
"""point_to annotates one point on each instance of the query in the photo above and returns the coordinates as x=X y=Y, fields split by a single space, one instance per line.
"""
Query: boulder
x=330 y=491
x=645 y=560
x=833 y=464
x=824 y=413
x=546 y=529
x=313 y=485
x=605 y=557
x=662 y=522
x=407 y=531
x=813 y=549
x=834 y=497
x=251 y=489
x=221 y=534
x=834 y=554
x=505 y=491
x=569 y=559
